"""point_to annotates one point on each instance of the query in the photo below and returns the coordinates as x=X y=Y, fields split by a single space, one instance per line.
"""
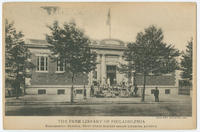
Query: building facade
x=50 y=78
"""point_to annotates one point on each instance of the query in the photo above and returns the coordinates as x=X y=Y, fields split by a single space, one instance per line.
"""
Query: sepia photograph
x=70 y=65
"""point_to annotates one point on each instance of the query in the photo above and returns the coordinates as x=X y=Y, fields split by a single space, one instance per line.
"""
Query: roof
x=109 y=44
x=112 y=44
x=36 y=43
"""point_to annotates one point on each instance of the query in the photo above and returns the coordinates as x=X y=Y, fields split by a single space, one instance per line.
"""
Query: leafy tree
x=186 y=62
x=16 y=58
x=150 y=55
x=71 y=46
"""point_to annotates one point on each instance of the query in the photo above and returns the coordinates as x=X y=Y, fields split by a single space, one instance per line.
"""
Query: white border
x=198 y=54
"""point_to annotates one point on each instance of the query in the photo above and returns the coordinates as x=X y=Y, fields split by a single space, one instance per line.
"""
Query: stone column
x=98 y=68
x=103 y=69
x=177 y=77
x=90 y=78
x=119 y=75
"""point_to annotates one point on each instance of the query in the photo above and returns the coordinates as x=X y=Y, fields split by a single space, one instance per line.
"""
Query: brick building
x=49 y=78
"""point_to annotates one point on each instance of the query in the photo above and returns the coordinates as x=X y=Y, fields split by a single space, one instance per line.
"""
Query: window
x=60 y=65
x=42 y=91
x=42 y=63
x=152 y=91
x=79 y=91
x=61 y=91
x=167 y=91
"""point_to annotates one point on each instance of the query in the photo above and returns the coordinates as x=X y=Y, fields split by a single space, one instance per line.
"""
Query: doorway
x=111 y=74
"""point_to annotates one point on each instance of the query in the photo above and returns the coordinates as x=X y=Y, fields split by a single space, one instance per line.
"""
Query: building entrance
x=111 y=74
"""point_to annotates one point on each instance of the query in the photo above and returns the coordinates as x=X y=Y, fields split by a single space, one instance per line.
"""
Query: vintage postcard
x=99 y=65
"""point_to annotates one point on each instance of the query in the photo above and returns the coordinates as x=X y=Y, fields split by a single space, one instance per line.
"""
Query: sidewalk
x=137 y=100
x=53 y=99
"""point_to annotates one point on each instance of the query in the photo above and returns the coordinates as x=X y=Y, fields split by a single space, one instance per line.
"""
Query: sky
x=177 y=20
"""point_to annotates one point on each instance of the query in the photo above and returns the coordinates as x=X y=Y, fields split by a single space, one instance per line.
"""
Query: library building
x=50 y=78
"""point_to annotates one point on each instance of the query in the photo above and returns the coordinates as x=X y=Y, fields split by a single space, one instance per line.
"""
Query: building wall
x=162 y=90
x=164 y=83
x=163 y=80
x=51 y=77
x=52 y=92
x=52 y=81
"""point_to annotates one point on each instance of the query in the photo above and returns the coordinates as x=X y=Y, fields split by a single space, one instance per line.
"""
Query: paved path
x=55 y=99
x=157 y=109
x=168 y=106
x=148 y=99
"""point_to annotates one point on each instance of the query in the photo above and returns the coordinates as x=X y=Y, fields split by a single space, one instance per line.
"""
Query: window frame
x=152 y=91
x=42 y=90
x=58 y=66
x=62 y=93
x=169 y=91
x=79 y=91
x=38 y=63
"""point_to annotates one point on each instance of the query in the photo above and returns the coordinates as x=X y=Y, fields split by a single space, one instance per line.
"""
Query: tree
x=150 y=55
x=71 y=46
x=16 y=58
x=186 y=62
